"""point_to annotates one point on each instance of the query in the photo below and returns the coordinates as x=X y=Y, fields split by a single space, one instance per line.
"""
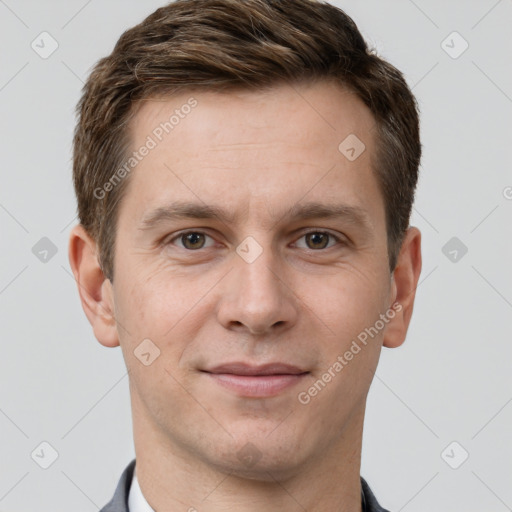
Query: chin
x=256 y=456
x=268 y=469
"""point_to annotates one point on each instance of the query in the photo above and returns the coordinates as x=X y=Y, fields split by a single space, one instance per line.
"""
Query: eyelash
x=337 y=239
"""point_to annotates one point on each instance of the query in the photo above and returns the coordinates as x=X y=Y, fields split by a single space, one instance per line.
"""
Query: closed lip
x=239 y=368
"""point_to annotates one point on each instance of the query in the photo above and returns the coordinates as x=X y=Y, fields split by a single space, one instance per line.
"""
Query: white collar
x=136 y=500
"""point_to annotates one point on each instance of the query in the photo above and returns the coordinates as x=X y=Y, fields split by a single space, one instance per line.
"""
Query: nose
x=256 y=297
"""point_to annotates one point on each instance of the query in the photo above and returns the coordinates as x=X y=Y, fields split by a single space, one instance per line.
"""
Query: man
x=245 y=172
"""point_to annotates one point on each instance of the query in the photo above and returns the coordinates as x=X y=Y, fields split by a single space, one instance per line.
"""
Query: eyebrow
x=302 y=211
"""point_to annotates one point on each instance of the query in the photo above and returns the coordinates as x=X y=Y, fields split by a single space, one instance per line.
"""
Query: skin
x=257 y=155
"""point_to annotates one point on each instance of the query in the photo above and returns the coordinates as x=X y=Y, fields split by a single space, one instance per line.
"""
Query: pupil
x=192 y=239
x=318 y=239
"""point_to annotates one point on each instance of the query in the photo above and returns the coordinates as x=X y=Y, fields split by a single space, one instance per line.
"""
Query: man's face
x=269 y=279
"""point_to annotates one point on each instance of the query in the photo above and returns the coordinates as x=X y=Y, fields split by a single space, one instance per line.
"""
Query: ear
x=94 y=288
x=404 y=282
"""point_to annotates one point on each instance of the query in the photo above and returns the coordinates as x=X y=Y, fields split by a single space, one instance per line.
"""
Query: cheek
x=159 y=306
x=148 y=293
x=345 y=311
x=163 y=304
x=347 y=303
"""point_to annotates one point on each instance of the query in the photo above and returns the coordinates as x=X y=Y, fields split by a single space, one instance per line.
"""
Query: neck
x=172 y=479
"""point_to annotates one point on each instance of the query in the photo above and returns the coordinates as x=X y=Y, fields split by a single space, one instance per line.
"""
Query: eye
x=317 y=240
x=195 y=240
x=192 y=240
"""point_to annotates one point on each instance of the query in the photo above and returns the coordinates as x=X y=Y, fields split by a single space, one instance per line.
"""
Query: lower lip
x=256 y=386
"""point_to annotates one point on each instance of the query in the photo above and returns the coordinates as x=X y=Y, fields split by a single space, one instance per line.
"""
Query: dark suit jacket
x=119 y=503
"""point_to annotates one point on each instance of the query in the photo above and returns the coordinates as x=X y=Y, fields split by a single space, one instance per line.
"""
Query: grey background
x=450 y=381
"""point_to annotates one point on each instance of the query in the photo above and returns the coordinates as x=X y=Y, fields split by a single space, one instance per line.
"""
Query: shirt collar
x=136 y=500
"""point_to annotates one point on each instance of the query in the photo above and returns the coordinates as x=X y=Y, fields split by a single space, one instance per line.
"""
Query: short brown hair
x=221 y=45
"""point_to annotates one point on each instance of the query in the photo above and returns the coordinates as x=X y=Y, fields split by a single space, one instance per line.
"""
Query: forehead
x=233 y=147
x=320 y=111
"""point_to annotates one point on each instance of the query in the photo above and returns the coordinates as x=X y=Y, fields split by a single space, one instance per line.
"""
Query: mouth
x=256 y=381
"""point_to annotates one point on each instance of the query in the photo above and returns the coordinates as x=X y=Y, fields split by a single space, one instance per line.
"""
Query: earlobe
x=94 y=288
x=403 y=288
